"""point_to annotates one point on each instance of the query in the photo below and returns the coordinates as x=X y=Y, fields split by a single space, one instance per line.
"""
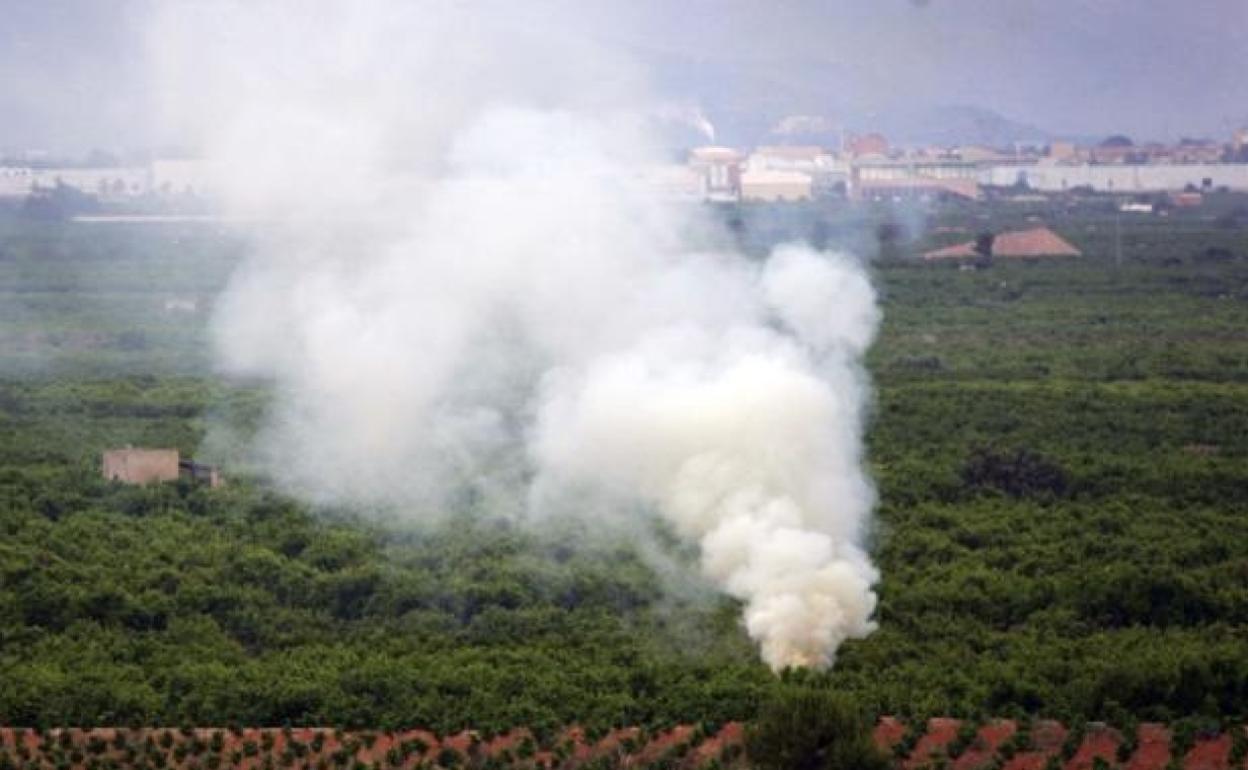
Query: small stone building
x=141 y=466
x=146 y=466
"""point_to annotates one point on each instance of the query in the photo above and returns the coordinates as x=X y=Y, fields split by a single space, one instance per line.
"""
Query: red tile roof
x=1036 y=242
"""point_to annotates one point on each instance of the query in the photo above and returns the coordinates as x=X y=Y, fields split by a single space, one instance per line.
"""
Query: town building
x=15 y=181
x=867 y=145
x=180 y=177
x=160 y=177
x=775 y=186
x=804 y=158
x=1063 y=151
x=828 y=173
x=719 y=171
x=978 y=154
x=107 y=183
x=1119 y=178
x=913 y=177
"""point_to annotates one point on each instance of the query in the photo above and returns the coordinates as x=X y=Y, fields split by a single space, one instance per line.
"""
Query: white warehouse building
x=1124 y=179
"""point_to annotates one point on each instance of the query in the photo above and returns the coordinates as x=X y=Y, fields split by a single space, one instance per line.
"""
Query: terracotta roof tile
x=1036 y=242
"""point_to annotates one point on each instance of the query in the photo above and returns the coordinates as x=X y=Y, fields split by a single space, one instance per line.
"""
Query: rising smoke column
x=460 y=283
x=747 y=438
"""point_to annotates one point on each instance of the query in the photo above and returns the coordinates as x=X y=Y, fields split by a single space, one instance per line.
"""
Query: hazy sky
x=73 y=73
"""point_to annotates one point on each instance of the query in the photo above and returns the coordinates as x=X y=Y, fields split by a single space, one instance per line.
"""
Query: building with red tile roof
x=1035 y=242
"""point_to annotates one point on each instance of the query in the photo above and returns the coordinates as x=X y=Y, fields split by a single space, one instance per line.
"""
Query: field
x=1061 y=450
x=954 y=744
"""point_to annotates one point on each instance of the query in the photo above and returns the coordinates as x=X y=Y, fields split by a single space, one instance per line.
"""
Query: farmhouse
x=133 y=465
x=141 y=466
x=1036 y=242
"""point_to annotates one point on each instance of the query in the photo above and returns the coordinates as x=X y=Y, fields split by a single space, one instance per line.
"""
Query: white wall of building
x=15 y=181
x=18 y=182
x=176 y=177
x=162 y=177
x=1126 y=179
x=776 y=186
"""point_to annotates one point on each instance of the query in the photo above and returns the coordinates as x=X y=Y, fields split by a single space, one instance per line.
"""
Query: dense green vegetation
x=804 y=728
x=1060 y=449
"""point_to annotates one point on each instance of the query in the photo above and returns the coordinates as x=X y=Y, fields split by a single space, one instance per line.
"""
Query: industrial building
x=1119 y=178
x=909 y=177
x=719 y=170
x=775 y=186
x=160 y=177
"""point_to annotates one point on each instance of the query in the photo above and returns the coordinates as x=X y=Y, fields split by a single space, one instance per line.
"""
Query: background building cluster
x=867 y=167
x=863 y=167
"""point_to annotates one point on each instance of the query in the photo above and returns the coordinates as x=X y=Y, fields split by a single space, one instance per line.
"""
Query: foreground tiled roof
x=1036 y=242
x=995 y=745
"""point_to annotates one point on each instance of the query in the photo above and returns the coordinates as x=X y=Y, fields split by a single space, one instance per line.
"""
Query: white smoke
x=747 y=437
x=690 y=116
x=461 y=286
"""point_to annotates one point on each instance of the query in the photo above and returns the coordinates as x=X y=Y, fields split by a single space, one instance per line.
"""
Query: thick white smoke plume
x=461 y=283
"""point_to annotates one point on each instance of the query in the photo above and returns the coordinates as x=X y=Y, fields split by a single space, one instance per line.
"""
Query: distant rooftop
x=1036 y=242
